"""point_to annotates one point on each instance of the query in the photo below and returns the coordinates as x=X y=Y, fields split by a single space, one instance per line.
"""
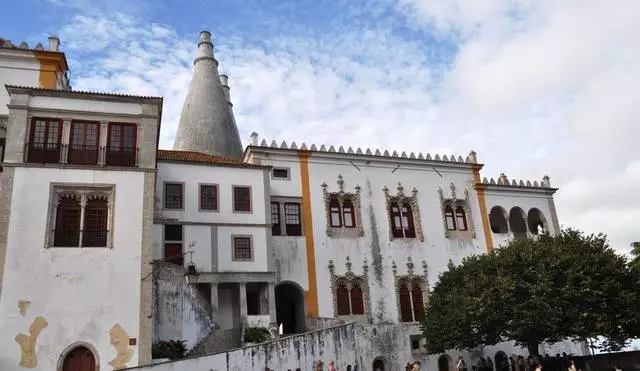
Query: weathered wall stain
x=27 y=343
x=376 y=253
x=23 y=305
x=120 y=342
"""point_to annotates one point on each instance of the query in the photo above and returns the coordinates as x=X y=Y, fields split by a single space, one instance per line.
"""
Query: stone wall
x=319 y=323
x=180 y=311
x=297 y=351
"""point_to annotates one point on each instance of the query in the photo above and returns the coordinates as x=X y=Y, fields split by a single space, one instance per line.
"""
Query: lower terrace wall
x=297 y=351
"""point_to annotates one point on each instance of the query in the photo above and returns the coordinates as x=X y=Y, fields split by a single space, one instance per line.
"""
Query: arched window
x=449 y=218
x=405 y=303
x=401 y=220
x=67 y=232
x=417 y=300
x=461 y=219
x=95 y=223
x=342 y=299
x=407 y=221
x=348 y=214
x=498 y=220
x=334 y=211
x=357 y=301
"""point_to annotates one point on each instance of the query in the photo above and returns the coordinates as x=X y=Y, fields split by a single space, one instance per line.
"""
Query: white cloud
x=535 y=87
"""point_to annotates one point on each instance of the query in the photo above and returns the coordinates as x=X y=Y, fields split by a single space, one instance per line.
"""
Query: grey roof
x=207 y=123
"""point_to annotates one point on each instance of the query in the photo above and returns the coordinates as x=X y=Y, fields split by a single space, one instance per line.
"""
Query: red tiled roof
x=204 y=158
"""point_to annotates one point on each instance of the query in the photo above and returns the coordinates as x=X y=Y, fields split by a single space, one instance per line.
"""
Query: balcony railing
x=121 y=156
x=44 y=153
x=54 y=153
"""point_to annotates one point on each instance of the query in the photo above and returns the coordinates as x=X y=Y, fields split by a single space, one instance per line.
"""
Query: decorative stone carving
x=341 y=196
x=401 y=198
x=454 y=202
x=348 y=278
x=409 y=279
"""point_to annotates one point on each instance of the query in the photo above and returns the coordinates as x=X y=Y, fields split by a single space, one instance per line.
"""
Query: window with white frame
x=81 y=216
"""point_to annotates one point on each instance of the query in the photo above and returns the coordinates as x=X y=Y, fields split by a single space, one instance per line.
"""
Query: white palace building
x=109 y=244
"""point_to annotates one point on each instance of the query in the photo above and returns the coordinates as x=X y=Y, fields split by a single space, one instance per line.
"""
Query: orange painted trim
x=51 y=64
x=310 y=296
x=482 y=201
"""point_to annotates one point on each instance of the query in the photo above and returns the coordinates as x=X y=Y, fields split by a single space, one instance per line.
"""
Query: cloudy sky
x=535 y=87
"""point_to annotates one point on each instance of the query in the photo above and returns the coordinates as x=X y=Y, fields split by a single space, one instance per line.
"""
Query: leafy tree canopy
x=549 y=289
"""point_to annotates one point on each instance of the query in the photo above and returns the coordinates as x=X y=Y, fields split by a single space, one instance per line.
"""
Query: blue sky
x=535 y=87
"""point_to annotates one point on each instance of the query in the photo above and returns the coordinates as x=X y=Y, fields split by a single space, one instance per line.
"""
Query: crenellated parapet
x=471 y=158
x=503 y=181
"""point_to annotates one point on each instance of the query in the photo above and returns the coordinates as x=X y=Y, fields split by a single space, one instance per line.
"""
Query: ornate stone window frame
x=83 y=193
x=454 y=202
x=409 y=278
x=342 y=196
x=401 y=198
x=348 y=278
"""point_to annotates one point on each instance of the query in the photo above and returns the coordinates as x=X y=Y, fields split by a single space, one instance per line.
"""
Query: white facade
x=76 y=229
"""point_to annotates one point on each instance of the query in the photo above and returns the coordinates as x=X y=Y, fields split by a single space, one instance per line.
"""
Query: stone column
x=102 y=144
x=271 y=296
x=214 y=303
x=243 y=300
x=65 y=139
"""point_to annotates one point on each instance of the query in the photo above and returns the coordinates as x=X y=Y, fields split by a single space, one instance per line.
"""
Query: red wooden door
x=79 y=359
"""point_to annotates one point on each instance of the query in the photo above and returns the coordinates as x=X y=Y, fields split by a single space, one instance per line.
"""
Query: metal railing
x=75 y=154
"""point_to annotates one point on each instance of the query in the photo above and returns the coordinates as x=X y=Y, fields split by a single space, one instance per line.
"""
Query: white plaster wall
x=526 y=201
x=81 y=292
x=86 y=105
x=376 y=247
x=262 y=320
x=225 y=249
x=197 y=238
x=291 y=259
x=22 y=71
x=280 y=187
x=225 y=177
x=301 y=351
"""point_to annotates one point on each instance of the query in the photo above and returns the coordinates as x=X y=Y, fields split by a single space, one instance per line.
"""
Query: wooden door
x=79 y=359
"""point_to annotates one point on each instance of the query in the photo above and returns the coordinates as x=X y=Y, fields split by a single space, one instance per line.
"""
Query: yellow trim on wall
x=310 y=296
x=482 y=201
x=51 y=64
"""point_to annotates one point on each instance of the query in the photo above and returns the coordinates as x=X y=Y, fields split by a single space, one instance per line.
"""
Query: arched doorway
x=501 y=361
x=79 y=359
x=378 y=364
x=290 y=307
x=445 y=363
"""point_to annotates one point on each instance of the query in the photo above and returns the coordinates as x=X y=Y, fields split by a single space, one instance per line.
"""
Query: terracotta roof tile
x=204 y=158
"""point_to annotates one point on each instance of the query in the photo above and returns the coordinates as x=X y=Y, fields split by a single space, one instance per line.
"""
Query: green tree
x=569 y=286
x=635 y=251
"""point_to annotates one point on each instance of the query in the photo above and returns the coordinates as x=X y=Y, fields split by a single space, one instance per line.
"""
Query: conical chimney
x=207 y=123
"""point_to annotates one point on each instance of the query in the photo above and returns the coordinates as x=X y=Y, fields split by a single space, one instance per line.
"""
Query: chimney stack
x=54 y=43
x=224 y=80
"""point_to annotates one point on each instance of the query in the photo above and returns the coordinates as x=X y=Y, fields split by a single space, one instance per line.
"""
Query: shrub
x=256 y=335
x=172 y=349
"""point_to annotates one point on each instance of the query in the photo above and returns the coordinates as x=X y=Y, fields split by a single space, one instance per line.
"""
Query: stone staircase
x=218 y=340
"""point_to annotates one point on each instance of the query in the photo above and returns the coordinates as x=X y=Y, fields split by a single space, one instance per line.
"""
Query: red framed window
x=242 y=199
x=461 y=219
x=84 y=143
x=275 y=219
x=292 y=220
x=357 y=299
x=407 y=221
x=348 y=214
x=335 y=217
x=67 y=230
x=209 y=197
x=449 y=218
x=405 y=303
x=342 y=300
x=95 y=229
x=418 y=303
x=121 y=144
x=44 y=140
x=396 y=220
x=173 y=244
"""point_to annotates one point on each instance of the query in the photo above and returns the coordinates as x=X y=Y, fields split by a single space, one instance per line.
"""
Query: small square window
x=242 y=249
x=242 y=198
x=173 y=196
x=209 y=197
x=280 y=173
x=415 y=344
